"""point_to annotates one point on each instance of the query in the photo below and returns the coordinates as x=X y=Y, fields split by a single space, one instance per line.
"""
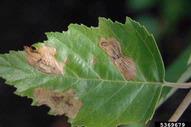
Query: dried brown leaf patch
x=44 y=60
x=124 y=64
x=60 y=102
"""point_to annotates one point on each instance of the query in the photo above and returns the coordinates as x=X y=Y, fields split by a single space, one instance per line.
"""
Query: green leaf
x=179 y=71
x=107 y=98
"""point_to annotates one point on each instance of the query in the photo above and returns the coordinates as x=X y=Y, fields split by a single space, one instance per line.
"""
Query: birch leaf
x=91 y=84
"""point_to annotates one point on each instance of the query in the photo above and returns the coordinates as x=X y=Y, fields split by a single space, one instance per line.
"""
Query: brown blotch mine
x=60 y=102
x=44 y=60
x=124 y=64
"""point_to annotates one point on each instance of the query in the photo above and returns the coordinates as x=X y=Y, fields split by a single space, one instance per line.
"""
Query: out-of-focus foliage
x=141 y=4
x=179 y=67
x=179 y=71
x=174 y=10
x=163 y=18
x=151 y=23
x=189 y=61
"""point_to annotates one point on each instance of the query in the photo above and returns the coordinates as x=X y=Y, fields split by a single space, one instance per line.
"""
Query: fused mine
x=124 y=64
